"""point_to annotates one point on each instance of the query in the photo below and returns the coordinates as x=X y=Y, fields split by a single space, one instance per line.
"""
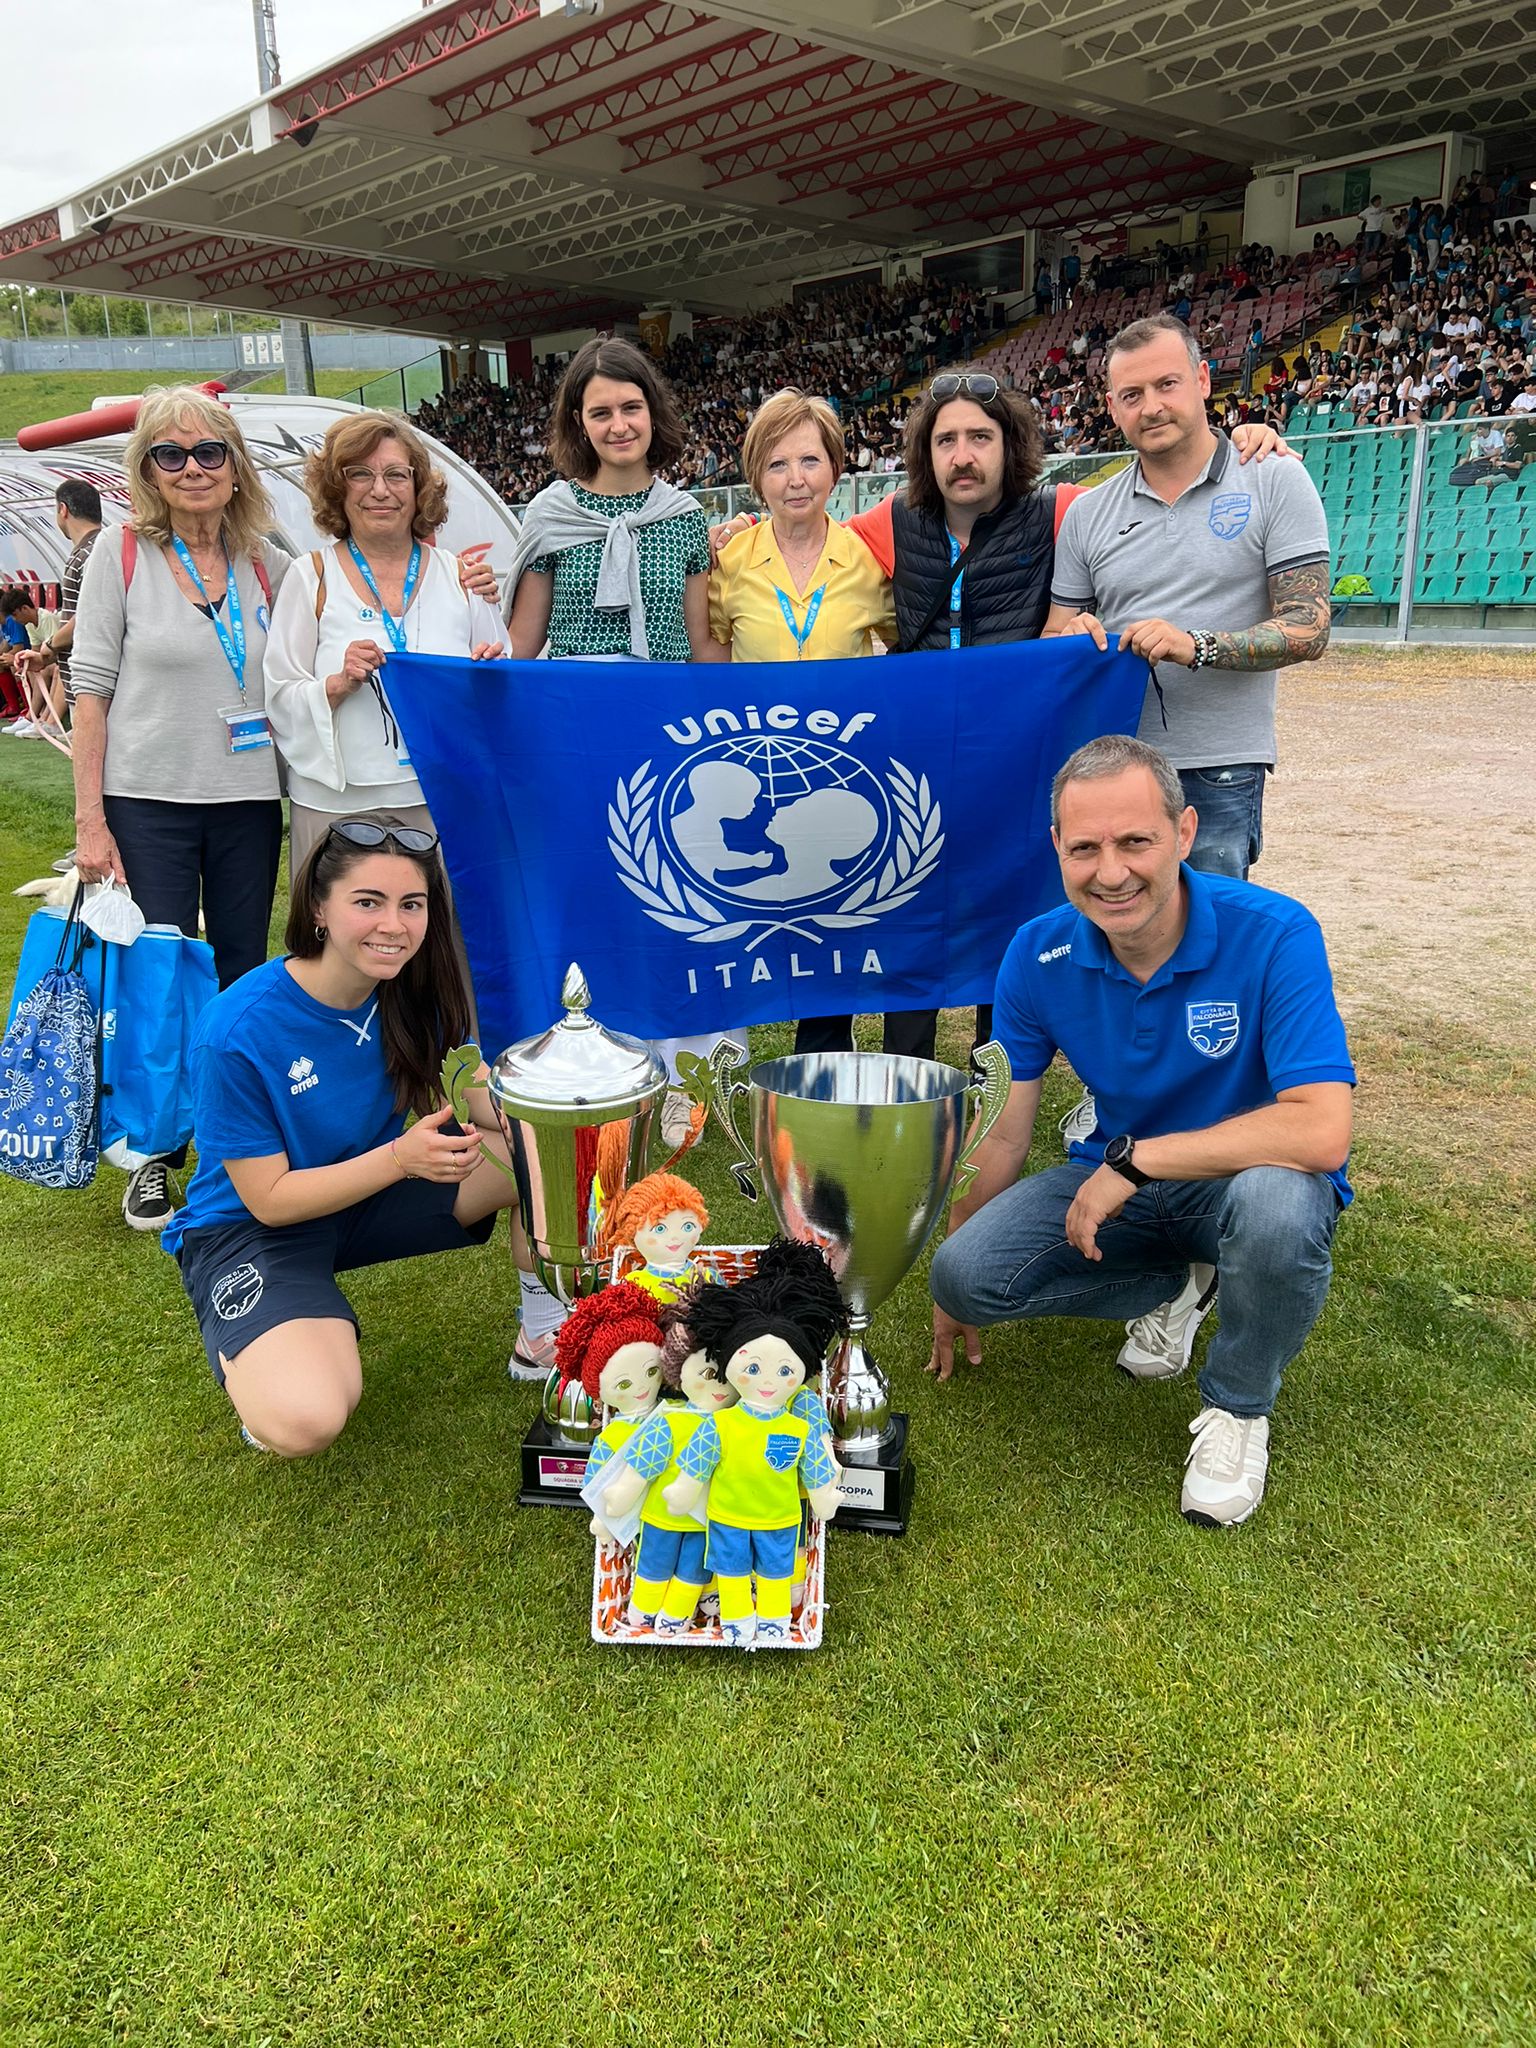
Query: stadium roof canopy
x=482 y=171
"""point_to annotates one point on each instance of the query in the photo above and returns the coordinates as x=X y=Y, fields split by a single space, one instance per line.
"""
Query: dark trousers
x=913 y=1032
x=222 y=855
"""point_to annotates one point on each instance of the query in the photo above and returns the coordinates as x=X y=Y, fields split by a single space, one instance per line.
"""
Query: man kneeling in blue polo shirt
x=1199 y=1010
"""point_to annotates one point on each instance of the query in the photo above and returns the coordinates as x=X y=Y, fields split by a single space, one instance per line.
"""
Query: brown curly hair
x=353 y=439
x=1023 y=448
x=569 y=449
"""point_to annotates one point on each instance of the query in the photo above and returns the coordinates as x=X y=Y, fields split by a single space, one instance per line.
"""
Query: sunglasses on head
x=361 y=832
x=977 y=384
x=173 y=458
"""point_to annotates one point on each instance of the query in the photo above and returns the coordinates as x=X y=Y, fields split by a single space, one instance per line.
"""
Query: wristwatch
x=1119 y=1157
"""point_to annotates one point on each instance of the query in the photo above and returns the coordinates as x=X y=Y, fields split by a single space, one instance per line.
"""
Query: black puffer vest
x=1006 y=596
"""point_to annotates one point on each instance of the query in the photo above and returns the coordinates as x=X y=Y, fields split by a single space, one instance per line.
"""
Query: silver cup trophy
x=576 y=1105
x=858 y=1153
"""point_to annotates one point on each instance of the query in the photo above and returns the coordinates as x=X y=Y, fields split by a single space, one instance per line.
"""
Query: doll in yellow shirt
x=611 y=1342
x=670 y=1573
x=768 y=1335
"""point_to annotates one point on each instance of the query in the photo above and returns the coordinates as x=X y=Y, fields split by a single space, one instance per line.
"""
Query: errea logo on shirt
x=1055 y=953
x=302 y=1074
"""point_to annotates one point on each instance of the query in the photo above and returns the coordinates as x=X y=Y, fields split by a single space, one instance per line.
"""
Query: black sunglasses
x=360 y=832
x=173 y=458
x=977 y=384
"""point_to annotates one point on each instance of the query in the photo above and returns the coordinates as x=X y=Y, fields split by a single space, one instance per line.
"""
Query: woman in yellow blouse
x=797 y=586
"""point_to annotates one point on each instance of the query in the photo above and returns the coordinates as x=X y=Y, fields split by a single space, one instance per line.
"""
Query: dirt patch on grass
x=1403 y=816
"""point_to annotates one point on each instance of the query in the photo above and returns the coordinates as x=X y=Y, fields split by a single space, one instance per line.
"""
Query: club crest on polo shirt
x=302 y=1075
x=1230 y=514
x=1212 y=1027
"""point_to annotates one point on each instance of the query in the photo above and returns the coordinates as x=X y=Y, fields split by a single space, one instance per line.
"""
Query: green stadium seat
x=1515 y=588
x=1438 y=589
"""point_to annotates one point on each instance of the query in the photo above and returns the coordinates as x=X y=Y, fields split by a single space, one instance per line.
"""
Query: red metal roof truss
x=443 y=32
x=29 y=234
x=639 y=30
x=698 y=72
x=837 y=86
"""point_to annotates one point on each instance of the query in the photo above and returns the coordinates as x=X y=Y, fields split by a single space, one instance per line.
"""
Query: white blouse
x=352 y=756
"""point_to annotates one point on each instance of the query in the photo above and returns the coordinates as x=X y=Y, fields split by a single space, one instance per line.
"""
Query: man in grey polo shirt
x=1218 y=575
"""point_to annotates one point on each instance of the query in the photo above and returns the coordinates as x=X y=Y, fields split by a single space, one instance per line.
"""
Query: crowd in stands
x=1440 y=300
x=1443 y=322
x=855 y=344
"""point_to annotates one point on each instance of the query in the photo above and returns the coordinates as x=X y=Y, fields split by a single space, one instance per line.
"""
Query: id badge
x=248 y=730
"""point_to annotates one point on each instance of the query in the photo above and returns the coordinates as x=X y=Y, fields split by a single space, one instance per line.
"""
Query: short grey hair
x=1112 y=755
x=1142 y=333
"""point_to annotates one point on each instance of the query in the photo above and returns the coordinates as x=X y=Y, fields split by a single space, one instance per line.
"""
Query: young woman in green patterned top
x=614 y=424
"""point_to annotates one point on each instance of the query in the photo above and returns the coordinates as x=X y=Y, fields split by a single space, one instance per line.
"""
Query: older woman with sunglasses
x=381 y=587
x=176 y=789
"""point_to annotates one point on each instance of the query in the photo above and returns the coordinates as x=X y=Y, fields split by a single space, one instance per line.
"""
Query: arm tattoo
x=1298 y=630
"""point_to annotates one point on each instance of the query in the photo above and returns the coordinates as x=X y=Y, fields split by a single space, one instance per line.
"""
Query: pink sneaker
x=533 y=1358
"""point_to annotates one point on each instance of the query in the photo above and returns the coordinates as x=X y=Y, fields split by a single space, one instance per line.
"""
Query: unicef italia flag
x=724 y=845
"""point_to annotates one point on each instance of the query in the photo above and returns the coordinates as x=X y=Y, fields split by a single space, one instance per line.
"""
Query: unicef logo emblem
x=772 y=831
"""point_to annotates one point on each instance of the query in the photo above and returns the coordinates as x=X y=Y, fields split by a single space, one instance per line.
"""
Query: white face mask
x=111 y=913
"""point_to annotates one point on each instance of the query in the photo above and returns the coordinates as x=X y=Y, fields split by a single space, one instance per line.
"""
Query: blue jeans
x=1267 y=1231
x=1230 y=801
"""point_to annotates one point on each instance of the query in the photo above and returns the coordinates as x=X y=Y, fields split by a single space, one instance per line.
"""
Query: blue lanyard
x=800 y=634
x=954 y=593
x=232 y=636
x=395 y=628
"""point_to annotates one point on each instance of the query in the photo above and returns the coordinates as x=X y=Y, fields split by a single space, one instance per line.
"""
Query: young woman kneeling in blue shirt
x=303 y=1074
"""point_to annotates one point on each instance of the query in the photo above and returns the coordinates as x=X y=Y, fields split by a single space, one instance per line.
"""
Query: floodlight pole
x=298 y=357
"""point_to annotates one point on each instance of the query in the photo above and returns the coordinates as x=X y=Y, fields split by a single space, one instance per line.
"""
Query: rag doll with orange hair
x=665 y=1219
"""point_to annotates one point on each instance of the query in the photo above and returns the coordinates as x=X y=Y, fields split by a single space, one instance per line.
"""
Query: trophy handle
x=709 y=1083
x=460 y=1066
x=990 y=1094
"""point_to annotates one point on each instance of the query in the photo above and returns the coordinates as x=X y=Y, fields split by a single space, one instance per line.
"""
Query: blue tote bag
x=157 y=988
x=152 y=996
x=48 y=1067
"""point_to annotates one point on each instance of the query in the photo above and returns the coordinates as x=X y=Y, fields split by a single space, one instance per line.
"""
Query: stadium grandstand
x=849 y=194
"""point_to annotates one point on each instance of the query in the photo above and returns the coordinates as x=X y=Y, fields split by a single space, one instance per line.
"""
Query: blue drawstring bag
x=48 y=1074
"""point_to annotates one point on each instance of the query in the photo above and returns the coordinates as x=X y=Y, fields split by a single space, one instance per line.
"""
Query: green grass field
x=27 y=396
x=323 y=1754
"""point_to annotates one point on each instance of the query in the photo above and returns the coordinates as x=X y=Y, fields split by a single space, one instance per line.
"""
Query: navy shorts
x=246 y=1278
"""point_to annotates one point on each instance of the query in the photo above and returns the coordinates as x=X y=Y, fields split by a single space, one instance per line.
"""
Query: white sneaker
x=22 y=729
x=1158 y=1345
x=677 y=1116
x=1224 y=1474
x=1079 y=1123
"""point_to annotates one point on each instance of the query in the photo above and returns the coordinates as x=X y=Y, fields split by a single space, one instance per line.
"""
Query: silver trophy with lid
x=576 y=1104
x=857 y=1152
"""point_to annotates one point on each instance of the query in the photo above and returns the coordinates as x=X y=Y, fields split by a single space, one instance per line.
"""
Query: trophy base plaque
x=877 y=1497
x=553 y=1472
